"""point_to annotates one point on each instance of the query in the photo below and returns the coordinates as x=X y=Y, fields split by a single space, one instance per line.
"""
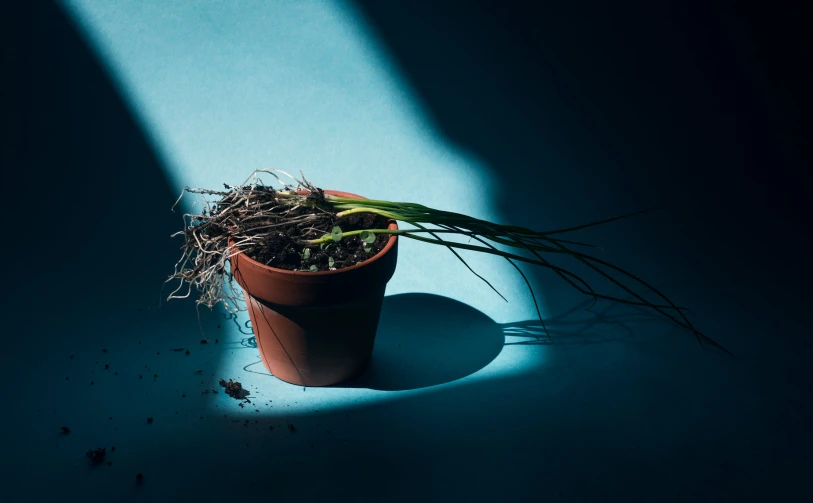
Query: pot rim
x=387 y=247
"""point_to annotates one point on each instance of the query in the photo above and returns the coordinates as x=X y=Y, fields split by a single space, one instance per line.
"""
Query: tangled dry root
x=242 y=215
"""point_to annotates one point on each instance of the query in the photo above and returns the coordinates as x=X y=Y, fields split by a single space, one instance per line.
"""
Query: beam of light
x=223 y=89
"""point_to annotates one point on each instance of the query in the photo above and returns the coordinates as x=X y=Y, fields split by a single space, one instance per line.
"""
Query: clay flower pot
x=316 y=328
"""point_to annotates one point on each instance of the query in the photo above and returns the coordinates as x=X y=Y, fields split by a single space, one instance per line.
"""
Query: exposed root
x=246 y=215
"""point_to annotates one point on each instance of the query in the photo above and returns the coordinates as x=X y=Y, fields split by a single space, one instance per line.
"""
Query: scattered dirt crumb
x=96 y=455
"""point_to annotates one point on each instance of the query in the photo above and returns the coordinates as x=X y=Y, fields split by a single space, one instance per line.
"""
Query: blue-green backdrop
x=540 y=116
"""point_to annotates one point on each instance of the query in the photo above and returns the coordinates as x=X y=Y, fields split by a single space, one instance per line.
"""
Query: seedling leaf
x=336 y=233
x=368 y=237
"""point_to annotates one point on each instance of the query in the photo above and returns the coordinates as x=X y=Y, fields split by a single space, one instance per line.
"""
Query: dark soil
x=280 y=250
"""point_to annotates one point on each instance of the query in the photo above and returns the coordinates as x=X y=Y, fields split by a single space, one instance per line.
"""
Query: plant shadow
x=582 y=324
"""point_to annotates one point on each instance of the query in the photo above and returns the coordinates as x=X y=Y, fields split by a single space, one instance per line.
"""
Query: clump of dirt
x=233 y=388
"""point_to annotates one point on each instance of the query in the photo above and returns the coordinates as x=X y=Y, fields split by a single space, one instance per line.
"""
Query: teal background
x=545 y=117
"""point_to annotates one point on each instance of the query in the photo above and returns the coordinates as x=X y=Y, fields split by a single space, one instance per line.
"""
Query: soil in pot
x=278 y=249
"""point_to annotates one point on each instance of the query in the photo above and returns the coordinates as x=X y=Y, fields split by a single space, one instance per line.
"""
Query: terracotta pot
x=316 y=328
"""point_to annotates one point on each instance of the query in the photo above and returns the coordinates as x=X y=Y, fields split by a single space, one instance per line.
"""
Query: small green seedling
x=330 y=262
x=306 y=253
x=368 y=238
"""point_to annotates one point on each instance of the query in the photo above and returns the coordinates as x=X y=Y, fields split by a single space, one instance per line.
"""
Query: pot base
x=316 y=345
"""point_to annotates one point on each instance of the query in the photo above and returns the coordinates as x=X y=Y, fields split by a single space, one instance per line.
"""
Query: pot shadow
x=424 y=340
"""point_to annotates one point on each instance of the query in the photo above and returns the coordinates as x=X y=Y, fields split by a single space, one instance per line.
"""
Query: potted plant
x=304 y=257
